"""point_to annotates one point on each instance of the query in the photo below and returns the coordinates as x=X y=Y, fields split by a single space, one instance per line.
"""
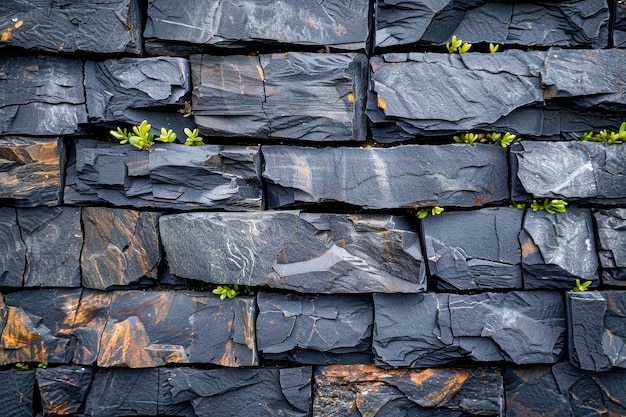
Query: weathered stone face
x=63 y=389
x=611 y=233
x=16 y=392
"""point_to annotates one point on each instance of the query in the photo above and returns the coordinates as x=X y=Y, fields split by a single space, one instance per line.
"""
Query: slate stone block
x=298 y=95
x=365 y=390
x=597 y=329
x=63 y=389
x=16 y=393
x=237 y=23
x=611 y=241
x=434 y=329
x=304 y=252
x=589 y=171
x=123 y=392
x=30 y=171
x=112 y=26
x=619 y=28
x=130 y=90
x=231 y=392
x=121 y=246
x=169 y=176
x=42 y=95
x=541 y=23
x=563 y=390
x=376 y=178
x=558 y=248
x=315 y=329
x=470 y=250
x=37 y=325
x=12 y=249
x=140 y=329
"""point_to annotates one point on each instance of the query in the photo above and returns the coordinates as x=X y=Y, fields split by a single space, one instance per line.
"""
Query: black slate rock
x=123 y=392
x=63 y=389
x=611 y=234
x=13 y=255
x=17 y=392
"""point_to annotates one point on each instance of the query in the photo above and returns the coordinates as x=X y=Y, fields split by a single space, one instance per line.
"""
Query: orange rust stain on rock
x=382 y=104
x=62 y=408
x=480 y=200
x=351 y=98
x=419 y=377
x=125 y=343
x=450 y=388
x=312 y=23
x=528 y=248
x=5 y=35
x=340 y=29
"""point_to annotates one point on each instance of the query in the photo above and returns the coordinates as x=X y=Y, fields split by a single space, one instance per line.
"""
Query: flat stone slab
x=63 y=389
x=377 y=178
x=563 y=390
x=235 y=23
x=558 y=248
x=169 y=176
x=435 y=329
x=121 y=246
x=315 y=329
x=17 y=392
x=366 y=390
x=303 y=252
x=611 y=241
x=95 y=27
x=30 y=171
x=124 y=392
x=44 y=95
x=596 y=329
x=573 y=171
x=13 y=257
x=472 y=250
x=531 y=23
x=297 y=95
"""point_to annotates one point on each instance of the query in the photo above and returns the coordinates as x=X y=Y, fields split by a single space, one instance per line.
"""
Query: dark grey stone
x=123 y=392
x=470 y=250
x=42 y=95
x=619 y=28
x=231 y=392
x=365 y=390
x=235 y=23
x=63 y=389
x=111 y=26
x=435 y=329
x=611 y=234
x=299 y=95
x=589 y=171
x=30 y=171
x=597 y=329
x=530 y=23
x=311 y=253
x=54 y=240
x=16 y=392
x=315 y=329
x=376 y=178
x=558 y=248
x=13 y=249
x=169 y=176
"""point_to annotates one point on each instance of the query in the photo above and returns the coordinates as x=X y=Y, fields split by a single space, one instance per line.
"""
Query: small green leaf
x=581 y=287
x=493 y=48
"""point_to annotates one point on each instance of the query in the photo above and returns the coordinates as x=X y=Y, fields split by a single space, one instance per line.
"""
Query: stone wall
x=328 y=127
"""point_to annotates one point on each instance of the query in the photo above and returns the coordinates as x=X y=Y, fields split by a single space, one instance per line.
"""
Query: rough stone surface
x=611 y=234
x=130 y=90
x=474 y=249
x=563 y=390
x=299 y=95
x=423 y=330
x=376 y=178
x=146 y=329
x=16 y=392
x=42 y=95
x=231 y=392
x=37 y=325
x=30 y=171
x=589 y=171
x=169 y=176
x=121 y=246
x=123 y=392
x=541 y=23
x=63 y=389
x=619 y=29
x=365 y=390
x=315 y=329
x=311 y=253
x=111 y=26
x=13 y=253
x=597 y=329
x=53 y=239
x=558 y=248
x=233 y=23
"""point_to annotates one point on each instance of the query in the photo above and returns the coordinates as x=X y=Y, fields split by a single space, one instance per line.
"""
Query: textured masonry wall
x=327 y=126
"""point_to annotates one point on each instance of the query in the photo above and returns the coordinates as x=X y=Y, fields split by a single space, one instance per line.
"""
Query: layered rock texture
x=377 y=220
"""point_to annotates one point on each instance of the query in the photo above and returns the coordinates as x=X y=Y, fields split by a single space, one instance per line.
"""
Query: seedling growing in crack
x=550 y=206
x=581 y=287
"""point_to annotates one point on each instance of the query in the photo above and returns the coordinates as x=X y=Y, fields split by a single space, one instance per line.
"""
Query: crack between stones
x=262 y=74
x=19 y=229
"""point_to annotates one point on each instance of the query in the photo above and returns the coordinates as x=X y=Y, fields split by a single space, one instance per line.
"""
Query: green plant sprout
x=610 y=138
x=192 y=137
x=457 y=45
x=550 y=206
x=231 y=292
x=521 y=206
x=142 y=138
x=493 y=48
x=467 y=138
x=43 y=364
x=499 y=140
x=167 y=136
x=581 y=287
x=22 y=366
x=423 y=212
